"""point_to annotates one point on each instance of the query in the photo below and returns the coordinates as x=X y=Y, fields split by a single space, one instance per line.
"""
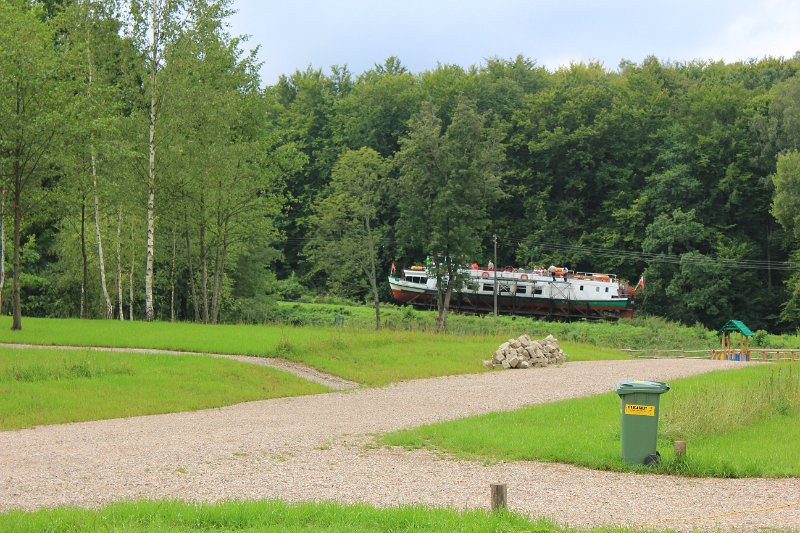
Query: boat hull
x=557 y=308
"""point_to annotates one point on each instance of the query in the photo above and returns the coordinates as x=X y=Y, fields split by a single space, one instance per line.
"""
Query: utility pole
x=494 y=285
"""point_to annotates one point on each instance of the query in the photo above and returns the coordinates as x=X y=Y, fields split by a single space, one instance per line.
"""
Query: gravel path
x=318 y=448
x=292 y=367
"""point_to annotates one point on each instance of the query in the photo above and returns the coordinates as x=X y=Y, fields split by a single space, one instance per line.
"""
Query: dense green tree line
x=147 y=173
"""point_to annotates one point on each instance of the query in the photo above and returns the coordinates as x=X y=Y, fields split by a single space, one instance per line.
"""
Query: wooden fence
x=758 y=354
x=753 y=354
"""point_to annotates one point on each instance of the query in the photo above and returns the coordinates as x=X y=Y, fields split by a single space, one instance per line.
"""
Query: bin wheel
x=652 y=459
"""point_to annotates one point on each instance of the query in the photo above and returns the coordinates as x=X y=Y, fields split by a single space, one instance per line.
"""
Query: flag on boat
x=394 y=268
x=641 y=282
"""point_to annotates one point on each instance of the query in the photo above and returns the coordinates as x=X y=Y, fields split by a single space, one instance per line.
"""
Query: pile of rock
x=523 y=352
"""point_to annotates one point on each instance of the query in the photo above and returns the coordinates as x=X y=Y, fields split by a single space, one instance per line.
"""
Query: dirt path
x=318 y=448
x=292 y=367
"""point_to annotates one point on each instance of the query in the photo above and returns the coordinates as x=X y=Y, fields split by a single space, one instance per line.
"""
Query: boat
x=554 y=292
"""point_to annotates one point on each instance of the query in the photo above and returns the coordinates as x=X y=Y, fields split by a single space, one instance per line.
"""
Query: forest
x=148 y=173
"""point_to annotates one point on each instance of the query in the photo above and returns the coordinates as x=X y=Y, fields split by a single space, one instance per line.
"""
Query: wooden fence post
x=499 y=496
x=680 y=448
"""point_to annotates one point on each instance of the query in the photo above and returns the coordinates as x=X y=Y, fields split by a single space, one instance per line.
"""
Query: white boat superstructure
x=554 y=291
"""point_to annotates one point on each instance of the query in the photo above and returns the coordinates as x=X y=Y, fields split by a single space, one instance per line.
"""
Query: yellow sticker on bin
x=641 y=410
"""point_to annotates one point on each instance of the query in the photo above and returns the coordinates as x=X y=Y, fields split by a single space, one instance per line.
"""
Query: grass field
x=369 y=357
x=50 y=386
x=643 y=332
x=639 y=332
x=740 y=423
x=167 y=516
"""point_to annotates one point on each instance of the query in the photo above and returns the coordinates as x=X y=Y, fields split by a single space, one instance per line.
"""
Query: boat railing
x=595 y=276
x=520 y=273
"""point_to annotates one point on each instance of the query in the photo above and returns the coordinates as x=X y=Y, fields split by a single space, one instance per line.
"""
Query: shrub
x=760 y=339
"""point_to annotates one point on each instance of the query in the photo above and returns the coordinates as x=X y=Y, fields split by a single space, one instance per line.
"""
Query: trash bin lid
x=630 y=386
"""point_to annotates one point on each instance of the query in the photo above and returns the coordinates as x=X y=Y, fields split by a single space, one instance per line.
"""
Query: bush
x=760 y=339
x=255 y=310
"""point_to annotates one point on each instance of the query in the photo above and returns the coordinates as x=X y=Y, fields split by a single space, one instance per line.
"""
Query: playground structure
x=729 y=351
x=743 y=352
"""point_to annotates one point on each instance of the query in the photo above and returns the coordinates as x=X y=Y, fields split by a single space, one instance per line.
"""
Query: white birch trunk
x=106 y=296
x=151 y=175
x=93 y=152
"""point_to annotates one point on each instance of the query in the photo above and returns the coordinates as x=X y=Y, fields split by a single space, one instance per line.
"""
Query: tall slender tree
x=94 y=40
x=32 y=111
x=347 y=230
x=224 y=166
x=448 y=179
x=161 y=20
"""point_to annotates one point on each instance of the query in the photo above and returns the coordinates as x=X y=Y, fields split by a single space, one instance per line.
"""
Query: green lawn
x=368 y=357
x=271 y=516
x=736 y=423
x=52 y=386
x=640 y=332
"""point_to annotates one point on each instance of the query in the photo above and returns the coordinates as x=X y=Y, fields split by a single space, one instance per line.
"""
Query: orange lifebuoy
x=485 y=274
x=524 y=276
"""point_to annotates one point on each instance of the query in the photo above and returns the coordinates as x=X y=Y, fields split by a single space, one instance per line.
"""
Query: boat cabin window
x=504 y=288
x=537 y=291
x=606 y=289
x=416 y=279
x=597 y=289
x=581 y=287
x=521 y=289
x=488 y=287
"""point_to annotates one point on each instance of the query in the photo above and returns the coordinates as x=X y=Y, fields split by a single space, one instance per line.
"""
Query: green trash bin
x=639 y=410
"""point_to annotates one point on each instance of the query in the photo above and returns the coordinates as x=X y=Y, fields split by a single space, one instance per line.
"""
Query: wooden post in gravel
x=499 y=496
x=680 y=448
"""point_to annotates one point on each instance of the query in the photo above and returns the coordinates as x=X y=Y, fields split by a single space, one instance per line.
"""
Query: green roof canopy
x=736 y=325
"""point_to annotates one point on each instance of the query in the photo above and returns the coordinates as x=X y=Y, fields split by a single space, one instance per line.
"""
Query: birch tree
x=91 y=16
x=156 y=22
x=226 y=169
x=93 y=31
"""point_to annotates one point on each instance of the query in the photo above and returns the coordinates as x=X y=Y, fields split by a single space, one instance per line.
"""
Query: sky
x=295 y=34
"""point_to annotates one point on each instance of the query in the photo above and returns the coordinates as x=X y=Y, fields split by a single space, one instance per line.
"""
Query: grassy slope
x=271 y=517
x=368 y=357
x=50 y=386
x=640 y=332
x=585 y=431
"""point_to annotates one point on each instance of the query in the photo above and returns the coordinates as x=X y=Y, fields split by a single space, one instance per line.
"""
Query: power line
x=752 y=264
x=628 y=255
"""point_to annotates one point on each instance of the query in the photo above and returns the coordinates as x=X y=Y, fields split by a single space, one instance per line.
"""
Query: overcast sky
x=294 y=34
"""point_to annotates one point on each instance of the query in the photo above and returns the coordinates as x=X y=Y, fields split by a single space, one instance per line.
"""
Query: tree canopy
x=147 y=172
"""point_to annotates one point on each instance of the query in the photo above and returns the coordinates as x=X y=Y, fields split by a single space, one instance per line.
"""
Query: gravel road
x=318 y=448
